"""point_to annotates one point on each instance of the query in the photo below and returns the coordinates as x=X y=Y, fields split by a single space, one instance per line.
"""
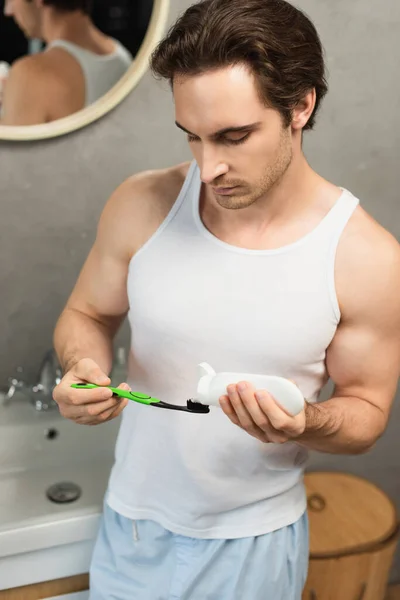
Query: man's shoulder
x=33 y=64
x=364 y=238
x=367 y=262
x=153 y=187
x=25 y=69
x=170 y=176
x=140 y=204
x=24 y=93
x=55 y=65
x=36 y=71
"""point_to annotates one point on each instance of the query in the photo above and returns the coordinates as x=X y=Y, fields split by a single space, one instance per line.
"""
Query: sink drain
x=64 y=492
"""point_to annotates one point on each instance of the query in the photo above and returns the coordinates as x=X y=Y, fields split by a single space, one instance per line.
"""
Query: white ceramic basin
x=39 y=539
x=36 y=440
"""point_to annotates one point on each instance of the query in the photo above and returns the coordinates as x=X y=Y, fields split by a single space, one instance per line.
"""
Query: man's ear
x=303 y=111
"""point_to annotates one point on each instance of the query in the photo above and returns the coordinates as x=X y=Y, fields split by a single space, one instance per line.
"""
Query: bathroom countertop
x=74 y=596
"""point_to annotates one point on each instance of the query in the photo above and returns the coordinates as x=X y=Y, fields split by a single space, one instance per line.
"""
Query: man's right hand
x=88 y=407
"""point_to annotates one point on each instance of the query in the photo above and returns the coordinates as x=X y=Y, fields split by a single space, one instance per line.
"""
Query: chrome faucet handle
x=40 y=394
x=50 y=375
x=14 y=384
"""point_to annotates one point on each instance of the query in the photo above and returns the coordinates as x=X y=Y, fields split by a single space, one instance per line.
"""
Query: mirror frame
x=110 y=100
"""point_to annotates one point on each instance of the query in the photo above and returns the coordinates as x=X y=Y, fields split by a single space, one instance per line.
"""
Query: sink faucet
x=40 y=394
x=14 y=384
x=50 y=375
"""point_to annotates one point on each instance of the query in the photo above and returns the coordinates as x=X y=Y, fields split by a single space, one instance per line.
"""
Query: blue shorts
x=140 y=560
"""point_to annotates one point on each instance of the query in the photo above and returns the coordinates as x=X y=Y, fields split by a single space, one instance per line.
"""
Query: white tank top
x=193 y=299
x=101 y=71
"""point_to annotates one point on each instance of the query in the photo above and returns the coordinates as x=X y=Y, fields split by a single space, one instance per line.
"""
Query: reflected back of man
x=78 y=65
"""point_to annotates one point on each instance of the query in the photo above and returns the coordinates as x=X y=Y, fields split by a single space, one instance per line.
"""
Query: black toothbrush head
x=191 y=407
x=196 y=407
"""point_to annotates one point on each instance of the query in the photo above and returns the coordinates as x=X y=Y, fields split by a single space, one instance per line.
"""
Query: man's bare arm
x=364 y=357
x=96 y=307
x=88 y=323
x=99 y=303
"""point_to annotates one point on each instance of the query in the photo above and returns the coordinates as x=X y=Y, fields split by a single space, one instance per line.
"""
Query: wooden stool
x=353 y=537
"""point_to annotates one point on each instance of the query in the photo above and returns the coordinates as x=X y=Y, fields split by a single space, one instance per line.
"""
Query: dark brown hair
x=276 y=40
x=70 y=5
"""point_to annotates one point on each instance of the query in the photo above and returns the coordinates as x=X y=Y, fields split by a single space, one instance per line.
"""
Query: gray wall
x=52 y=192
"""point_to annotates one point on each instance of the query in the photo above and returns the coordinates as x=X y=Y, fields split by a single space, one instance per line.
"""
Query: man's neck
x=298 y=188
x=71 y=26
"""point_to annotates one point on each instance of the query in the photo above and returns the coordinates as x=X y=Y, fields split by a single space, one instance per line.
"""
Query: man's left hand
x=260 y=415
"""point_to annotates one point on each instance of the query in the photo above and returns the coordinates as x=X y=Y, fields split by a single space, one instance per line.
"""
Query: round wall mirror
x=66 y=63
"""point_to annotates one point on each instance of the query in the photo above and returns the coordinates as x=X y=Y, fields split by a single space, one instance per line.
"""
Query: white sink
x=30 y=439
x=39 y=539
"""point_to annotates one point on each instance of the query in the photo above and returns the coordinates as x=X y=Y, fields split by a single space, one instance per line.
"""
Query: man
x=79 y=65
x=249 y=260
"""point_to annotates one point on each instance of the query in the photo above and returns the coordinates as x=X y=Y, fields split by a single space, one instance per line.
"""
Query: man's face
x=26 y=14
x=242 y=165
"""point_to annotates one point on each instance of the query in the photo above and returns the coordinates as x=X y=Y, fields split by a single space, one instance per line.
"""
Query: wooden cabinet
x=393 y=593
x=354 y=532
x=47 y=589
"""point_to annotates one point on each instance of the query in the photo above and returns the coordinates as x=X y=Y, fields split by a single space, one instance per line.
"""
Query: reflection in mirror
x=59 y=56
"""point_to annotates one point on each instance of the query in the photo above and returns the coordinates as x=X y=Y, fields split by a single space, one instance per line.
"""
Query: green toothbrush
x=192 y=407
